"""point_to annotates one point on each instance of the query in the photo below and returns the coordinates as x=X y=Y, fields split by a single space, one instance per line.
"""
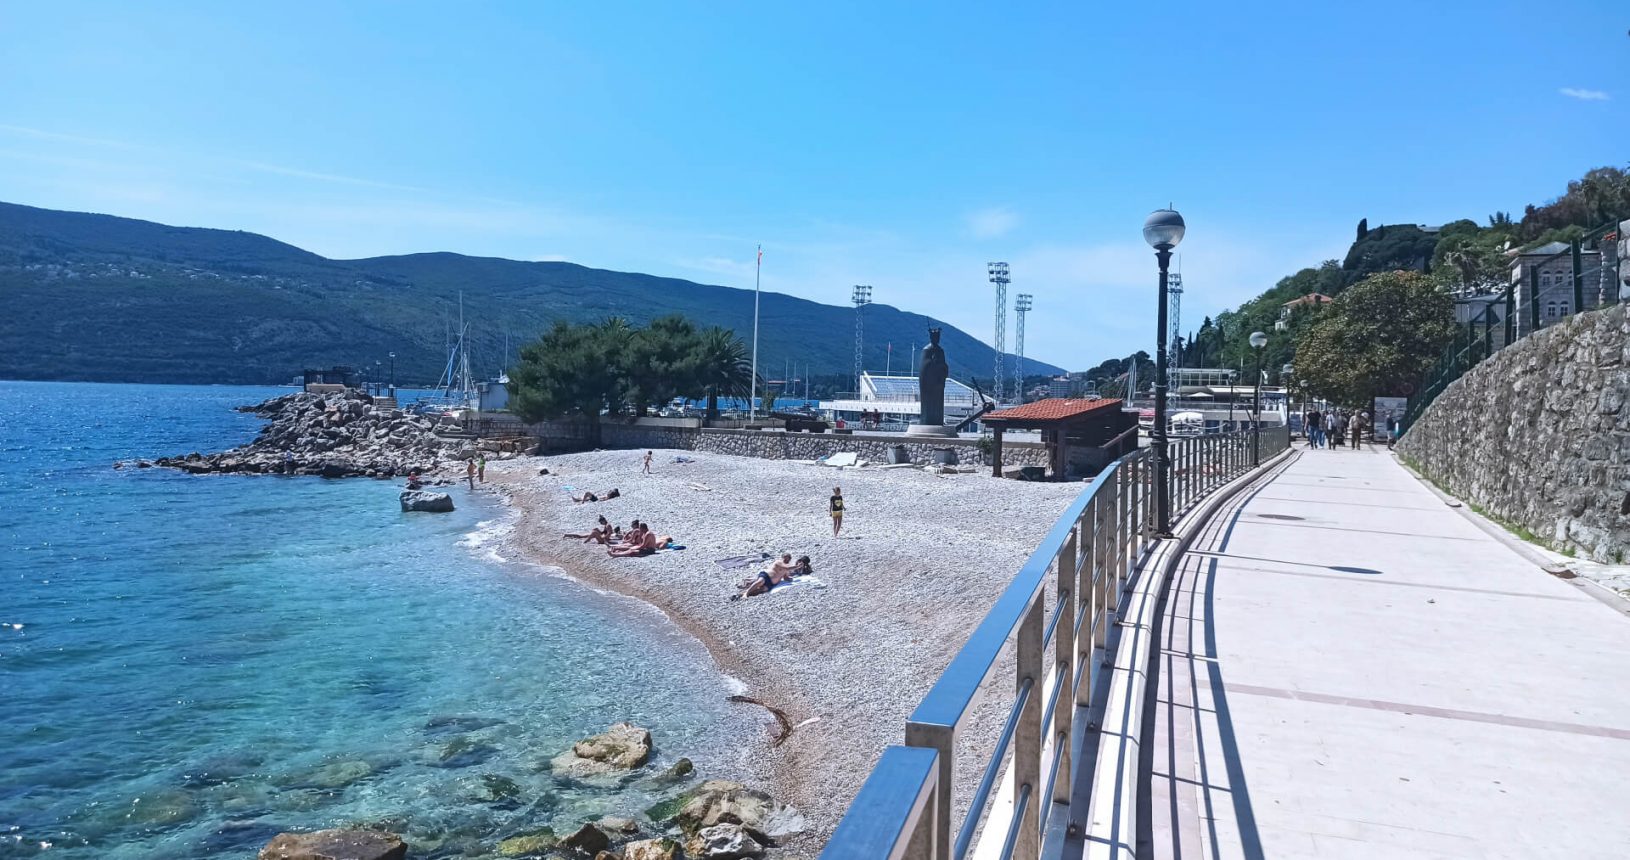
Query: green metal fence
x=1546 y=287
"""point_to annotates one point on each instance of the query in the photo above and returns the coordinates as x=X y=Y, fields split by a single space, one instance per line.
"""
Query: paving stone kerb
x=1538 y=435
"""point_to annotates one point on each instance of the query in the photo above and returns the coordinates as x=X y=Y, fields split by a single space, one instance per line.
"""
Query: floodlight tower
x=998 y=276
x=1175 y=299
x=861 y=296
x=1021 y=306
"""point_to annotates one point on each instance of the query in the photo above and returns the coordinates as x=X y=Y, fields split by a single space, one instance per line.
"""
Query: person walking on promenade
x=835 y=507
x=1315 y=428
x=481 y=468
x=1338 y=429
x=648 y=462
x=469 y=471
x=1359 y=421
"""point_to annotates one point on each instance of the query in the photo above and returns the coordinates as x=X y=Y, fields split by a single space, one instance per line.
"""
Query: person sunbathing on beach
x=780 y=571
x=599 y=534
x=644 y=543
x=587 y=496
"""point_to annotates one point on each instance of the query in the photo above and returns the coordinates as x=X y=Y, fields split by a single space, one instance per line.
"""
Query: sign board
x=1387 y=413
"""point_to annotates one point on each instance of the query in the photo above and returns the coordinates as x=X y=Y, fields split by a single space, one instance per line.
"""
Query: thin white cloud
x=298 y=173
x=42 y=134
x=1584 y=95
x=991 y=223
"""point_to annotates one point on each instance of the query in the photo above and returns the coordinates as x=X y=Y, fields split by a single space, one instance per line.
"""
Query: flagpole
x=752 y=391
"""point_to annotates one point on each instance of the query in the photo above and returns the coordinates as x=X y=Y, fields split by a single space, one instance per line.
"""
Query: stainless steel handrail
x=1091 y=553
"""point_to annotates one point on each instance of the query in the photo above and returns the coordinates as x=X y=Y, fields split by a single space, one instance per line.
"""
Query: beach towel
x=672 y=546
x=684 y=459
x=736 y=562
x=811 y=581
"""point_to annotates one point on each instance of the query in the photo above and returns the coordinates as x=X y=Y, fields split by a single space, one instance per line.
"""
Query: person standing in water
x=469 y=471
x=835 y=507
x=481 y=468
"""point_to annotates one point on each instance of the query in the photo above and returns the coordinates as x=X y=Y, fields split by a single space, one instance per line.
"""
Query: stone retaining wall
x=778 y=445
x=1538 y=435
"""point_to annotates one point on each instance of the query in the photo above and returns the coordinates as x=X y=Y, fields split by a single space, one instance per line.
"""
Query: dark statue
x=931 y=381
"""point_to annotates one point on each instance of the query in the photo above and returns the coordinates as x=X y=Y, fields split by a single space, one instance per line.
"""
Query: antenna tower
x=1021 y=306
x=862 y=296
x=999 y=277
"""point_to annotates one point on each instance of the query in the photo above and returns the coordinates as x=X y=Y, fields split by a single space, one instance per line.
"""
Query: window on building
x=1562 y=309
x=1544 y=280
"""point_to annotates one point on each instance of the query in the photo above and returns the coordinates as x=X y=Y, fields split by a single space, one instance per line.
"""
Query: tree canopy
x=583 y=369
x=1377 y=338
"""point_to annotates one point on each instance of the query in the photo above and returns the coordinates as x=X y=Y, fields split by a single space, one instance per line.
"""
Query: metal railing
x=1057 y=614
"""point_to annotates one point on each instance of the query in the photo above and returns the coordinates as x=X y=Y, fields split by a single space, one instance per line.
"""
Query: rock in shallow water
x=723 y=842
x=719 y=801
x=426 y=502
x=651 y=849
x=623 y=747
x=335 y=845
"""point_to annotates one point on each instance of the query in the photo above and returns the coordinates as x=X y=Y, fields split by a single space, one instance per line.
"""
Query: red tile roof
x=1053 y=409
x=1309 y=299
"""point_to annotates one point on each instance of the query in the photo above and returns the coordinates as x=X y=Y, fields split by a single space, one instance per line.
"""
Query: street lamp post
x=393 y=374
x=1258 y=341
x=1163 y=229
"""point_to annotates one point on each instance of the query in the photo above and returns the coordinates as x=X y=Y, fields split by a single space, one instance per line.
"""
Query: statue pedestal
x=941 y=431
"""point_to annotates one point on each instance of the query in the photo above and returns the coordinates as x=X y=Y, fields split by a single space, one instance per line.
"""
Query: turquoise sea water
x=190 y=664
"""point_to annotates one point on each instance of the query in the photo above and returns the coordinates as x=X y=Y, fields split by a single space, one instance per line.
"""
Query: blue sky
x=896 y=144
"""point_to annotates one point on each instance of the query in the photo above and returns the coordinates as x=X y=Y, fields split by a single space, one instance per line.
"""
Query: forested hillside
x=96 y=297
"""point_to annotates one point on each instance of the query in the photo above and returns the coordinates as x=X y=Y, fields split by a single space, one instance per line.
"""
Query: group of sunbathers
x=637 y=539
x=781 y=570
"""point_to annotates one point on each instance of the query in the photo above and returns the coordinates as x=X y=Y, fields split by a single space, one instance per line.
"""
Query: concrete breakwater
x=1538 y=435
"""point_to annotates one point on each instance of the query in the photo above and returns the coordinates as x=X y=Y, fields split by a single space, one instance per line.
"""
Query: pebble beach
x=845 y=655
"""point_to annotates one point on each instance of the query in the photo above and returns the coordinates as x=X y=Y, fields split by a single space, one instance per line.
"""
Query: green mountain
x=96 y=297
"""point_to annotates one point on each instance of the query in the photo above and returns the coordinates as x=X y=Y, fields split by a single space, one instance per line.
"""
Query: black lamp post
x=1258 y=341
x=1163 y=229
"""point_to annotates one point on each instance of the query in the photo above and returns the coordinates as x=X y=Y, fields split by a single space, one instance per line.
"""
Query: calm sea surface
x=191 y=664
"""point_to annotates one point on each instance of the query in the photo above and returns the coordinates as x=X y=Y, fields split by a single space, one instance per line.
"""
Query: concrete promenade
x=1352 y=668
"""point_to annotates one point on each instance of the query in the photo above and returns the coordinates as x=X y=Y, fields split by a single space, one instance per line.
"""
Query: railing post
x=1106 y=550
x=1027 y=734
x=1102 y=599
x=1090 y=606
x=1122 y=526
x=940 y=739
x=1066 y=656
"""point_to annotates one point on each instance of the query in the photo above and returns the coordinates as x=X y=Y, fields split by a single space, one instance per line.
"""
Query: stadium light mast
x=1021 y=306
x=1174 y=292
x=861 y=296
x=999 y=276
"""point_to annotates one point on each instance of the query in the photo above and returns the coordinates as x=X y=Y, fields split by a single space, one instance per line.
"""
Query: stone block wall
x=1539 y=435
x=778 y=445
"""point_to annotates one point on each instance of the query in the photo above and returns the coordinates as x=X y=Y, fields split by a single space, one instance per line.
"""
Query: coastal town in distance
x=855 y=432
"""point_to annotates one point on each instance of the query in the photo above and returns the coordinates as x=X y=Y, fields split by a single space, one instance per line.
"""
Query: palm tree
x=723 y=367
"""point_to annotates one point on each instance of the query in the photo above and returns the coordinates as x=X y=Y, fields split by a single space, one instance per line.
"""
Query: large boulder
x=588 y=839
x=335 y=845
x=620 y=748
x=651 y=849
x=722 y=842
x=427 y=502
x=719 y=801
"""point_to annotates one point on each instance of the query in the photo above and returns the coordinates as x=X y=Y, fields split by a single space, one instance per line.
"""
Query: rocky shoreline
x=698 y=820
x=342 y=435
